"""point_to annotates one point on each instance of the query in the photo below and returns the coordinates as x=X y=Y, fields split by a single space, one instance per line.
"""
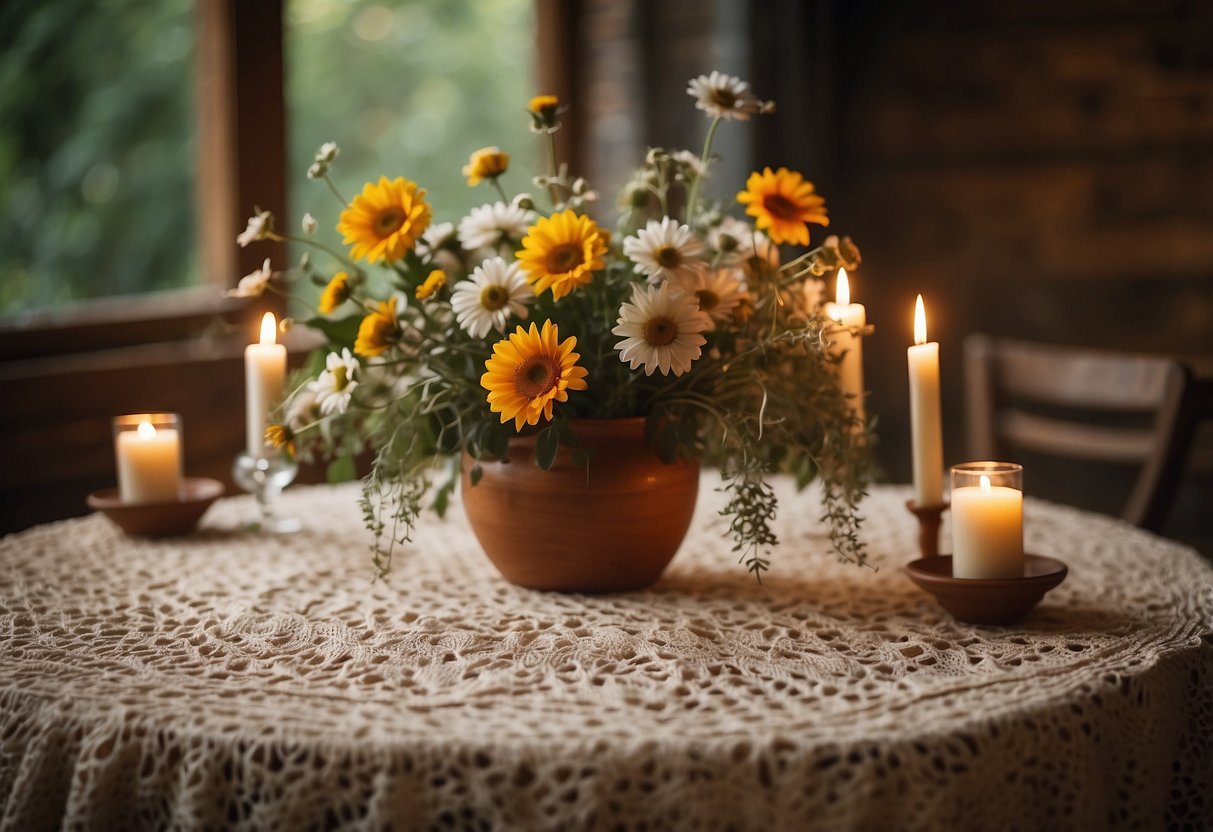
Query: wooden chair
x=1029 y=397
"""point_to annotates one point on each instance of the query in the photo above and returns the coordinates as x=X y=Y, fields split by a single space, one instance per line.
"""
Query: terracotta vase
x=610 y=528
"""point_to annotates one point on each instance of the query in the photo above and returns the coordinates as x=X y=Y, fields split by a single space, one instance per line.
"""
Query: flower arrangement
x=528 y=314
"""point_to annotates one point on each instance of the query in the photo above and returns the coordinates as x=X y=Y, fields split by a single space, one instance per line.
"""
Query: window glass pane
x=408 y=89
x=96 y=150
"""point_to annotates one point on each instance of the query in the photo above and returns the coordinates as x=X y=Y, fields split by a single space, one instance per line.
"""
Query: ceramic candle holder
x=987 y=601
x=168 y=518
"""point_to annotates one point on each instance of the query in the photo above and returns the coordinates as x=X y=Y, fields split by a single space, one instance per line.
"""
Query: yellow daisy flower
x=335 y=293
x=435 y=281
x=544 y=110
x=562 y=252
x=783 y=203
x=543 y=103
x=281 y=436
x=486 y=163
x=385 y=220
x=529 y=371
x=378 y=330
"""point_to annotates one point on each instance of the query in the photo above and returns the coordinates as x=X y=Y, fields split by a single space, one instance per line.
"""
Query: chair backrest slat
x=1005 y=378
x=1080 y=378
x=1076 y=441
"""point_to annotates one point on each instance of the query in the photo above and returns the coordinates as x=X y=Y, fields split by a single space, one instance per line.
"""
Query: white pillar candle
x=149 y=464
x=264 y=376
x=987 y=531
x=926 y=425
x=851 y=317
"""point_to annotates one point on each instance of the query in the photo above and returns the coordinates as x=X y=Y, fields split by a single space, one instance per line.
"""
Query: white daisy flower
x=718 y=292
x=693 y=164
x=444 y=246
x=733 y=239
x=303 y=408
x=253 y=284
x=726 y=96
x=258 y=228
x=493 y=293
x=328 y=152
x=664 y=249
x=490 y=225
x=336 y=383
x=661 y=329
x=439 y=234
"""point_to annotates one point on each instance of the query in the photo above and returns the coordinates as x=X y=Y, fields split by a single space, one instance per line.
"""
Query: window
x=64 y=372
x=96 y=151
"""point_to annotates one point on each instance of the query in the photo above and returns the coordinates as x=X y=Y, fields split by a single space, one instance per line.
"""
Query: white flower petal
x=670 y=303
x=489 y=225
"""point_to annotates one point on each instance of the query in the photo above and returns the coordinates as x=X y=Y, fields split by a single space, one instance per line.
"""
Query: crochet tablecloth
x=236 y=680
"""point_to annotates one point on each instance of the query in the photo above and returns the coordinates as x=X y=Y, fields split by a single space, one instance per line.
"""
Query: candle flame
x=985 y=484
x=146 y=430
x=268 y=328
x=842 y=289
x=920 y=322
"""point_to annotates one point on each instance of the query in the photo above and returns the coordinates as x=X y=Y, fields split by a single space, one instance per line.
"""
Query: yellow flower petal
x=529 y=371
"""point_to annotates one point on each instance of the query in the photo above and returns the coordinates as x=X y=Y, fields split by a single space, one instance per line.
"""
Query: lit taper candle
x=264 y=376
x=851 y=317
x=925 y=419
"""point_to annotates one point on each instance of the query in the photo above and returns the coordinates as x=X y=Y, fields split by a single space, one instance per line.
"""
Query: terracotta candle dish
x=987 y=600
x=159 y=519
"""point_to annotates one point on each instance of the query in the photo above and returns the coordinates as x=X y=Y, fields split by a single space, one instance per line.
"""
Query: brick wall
x=1043 y=170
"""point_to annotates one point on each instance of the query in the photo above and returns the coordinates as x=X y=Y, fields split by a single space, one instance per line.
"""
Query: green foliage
x=96 y=150
x=341 y=469
x=408 y=88
x=97 y=135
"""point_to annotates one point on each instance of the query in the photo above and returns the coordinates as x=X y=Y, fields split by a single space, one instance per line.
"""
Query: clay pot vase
x=610 y=528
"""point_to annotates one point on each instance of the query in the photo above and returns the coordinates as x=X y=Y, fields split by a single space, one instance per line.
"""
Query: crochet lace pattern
x=235 y=680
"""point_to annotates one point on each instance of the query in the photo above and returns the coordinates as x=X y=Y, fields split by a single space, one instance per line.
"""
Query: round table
x=236 y=680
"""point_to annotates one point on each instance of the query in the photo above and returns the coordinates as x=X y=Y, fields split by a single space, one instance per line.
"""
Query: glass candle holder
x=147 y=450
x=987 y=520
x=264 y=476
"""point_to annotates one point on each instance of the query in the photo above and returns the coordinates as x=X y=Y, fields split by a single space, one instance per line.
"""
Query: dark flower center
x=494 y=297
x=660 y=331
x=780 y=207
x=668 y=257
x=536 y=375
x=389 y=222
x=708 y=300
x=723 y=98
x=564 y=258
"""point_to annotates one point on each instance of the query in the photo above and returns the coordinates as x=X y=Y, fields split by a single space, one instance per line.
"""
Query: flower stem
x=707 y=150
x=336 y=192
x=555 y=194
x=500 y=190
x=308 y=241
